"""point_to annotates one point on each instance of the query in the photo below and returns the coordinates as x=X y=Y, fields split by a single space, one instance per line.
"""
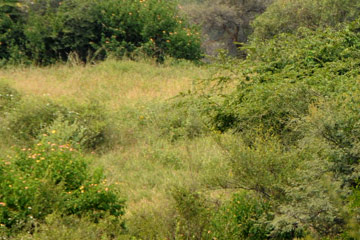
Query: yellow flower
x=53 y=131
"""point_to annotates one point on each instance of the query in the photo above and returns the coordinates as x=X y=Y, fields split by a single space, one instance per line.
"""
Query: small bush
x=244 y=217
x=337 y=124
x=30 y=116
x=8 y=98
x=52 y=178
x=35 y=116
x=263 y=166
x=176 y=120
x=152 y=221
x=192 y=214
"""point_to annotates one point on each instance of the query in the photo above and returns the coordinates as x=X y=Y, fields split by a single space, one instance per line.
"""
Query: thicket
x=52 y=177
x=284 y=16
x=291 y=109
x=47 y=31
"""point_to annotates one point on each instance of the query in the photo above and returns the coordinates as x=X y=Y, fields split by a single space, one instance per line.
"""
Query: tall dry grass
x=143 y=160
x=115 y=83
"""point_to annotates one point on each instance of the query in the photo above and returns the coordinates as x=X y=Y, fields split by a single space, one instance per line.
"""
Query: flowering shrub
x=32 y=116
x=52 y=178
x=92 y=30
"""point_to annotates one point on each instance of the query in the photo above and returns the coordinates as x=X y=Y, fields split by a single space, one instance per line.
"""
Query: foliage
x=11 y=32
x=35 y=116
x=52 y=178
x=60 y=227
x=285 y=16
x=264 y=166
x=177 y=119
x=244 y=217
x=290 y=110
x=55 y=30
x=8 y=97
x=193 y=214
x=279 y=80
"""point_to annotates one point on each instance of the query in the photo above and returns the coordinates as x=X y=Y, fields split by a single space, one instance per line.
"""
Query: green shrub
x=293 y=106
x=11 y=32
x=152 y=222
x=30 y=116
x=35 y=116
x=280 y=80
x=192 y=214
x=337 y=124
x=178 y=119
x=353 y=231
x=285 y=16
x=244 y=217
x=52 y=178
x=263 y=166
x=8 y=97
x=95 y=29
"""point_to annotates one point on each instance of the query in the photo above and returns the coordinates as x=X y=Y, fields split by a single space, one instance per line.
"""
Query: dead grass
x=114 y=82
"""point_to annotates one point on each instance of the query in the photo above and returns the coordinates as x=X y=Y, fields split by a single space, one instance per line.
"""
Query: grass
x=115 y=83
x=143 y=161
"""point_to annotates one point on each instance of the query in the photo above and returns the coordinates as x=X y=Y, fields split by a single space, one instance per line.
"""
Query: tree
x=225 y=23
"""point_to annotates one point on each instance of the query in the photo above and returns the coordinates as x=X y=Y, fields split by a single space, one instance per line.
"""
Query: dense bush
x=293 y=104
x=91 y=30
x=244 y=217
x=193 y=215
x=86 y=123
x=279 y=80
x=177 y=119
x=285 y=16
x=11 y=32
x=51 y=178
